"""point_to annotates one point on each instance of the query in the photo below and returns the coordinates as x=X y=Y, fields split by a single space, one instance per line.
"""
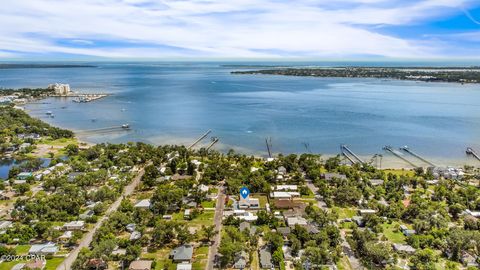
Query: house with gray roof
x=241 y=260
x=331 y=176
x=182 y=253
x=401 y=248
x=43 y=249
x=265 y=258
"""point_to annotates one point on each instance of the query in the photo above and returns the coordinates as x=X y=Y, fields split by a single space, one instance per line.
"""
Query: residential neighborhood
x=140 y=206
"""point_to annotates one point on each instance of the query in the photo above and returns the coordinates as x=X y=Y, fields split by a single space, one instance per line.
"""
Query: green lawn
x=389 y=232
x=200 y=258
x=346 y=225
x=53 y=263
x=178 y=216
x=205 y=218
x=400 y=172
x=263 y=200
x=22 y=249
x=344 y=264
x=59 y=142
x=208 y=204
x=255 y=265
x=345 y=212
x=161 y=256
x=8 y=265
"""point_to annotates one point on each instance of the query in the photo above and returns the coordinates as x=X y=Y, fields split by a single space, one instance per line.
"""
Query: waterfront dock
x=199 y=139
x=472 y=152
x=398 y=155
x=350 y=155
x=124 y=127
x=408 y=150
x=83 y=97
x=214 y=141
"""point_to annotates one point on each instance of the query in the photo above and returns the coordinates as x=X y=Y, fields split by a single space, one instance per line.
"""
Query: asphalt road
x=88 y=237
x=218 y=227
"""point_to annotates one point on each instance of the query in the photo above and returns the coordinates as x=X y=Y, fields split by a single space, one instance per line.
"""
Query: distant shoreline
x=21 y=66
x=469 y=75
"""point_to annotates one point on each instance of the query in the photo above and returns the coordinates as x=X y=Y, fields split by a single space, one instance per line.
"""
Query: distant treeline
x=12 y=66
x=33 y=92
x=428 y=74
x=14 y=122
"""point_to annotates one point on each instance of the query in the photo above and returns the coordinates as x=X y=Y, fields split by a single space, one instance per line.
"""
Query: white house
x=250 y=203
x=144 y=204
x=74 y=225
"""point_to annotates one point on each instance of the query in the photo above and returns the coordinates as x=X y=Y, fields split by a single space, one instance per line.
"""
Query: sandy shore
x=388 y=161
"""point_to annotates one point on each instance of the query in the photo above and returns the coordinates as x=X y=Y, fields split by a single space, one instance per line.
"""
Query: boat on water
x=49 y=113
x=125 y=126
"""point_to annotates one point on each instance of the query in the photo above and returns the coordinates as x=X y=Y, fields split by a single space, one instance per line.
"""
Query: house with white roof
x=143 y=204
x=249 y=203
x=74 y=225
x=286 y=187
x=284 y=194
x=292 y=221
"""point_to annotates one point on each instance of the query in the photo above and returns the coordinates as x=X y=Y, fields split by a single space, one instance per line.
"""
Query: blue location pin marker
x=244 y=192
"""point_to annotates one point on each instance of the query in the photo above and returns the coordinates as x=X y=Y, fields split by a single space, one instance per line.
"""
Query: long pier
x=472 y=152
x=199 y=139
x=104 y=129
x=348 y=157
x=344 y=148
x=406 y=149
x=390 y=149
x=214 y=141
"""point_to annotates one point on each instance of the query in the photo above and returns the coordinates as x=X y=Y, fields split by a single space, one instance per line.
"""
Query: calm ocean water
x=177 y=102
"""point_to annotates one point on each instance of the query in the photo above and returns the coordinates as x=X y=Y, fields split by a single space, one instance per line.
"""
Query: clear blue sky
x=336 y=29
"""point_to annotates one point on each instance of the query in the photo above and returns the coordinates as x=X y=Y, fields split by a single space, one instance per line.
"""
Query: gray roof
x=182 y=253
x=330 y=176
x=265 y=258
x=73 y=175
x=244 y=225
x=284 y=230
x=241 y=260
x=43 y=248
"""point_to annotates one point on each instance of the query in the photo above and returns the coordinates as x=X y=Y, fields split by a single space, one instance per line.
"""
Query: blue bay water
x=167 y=103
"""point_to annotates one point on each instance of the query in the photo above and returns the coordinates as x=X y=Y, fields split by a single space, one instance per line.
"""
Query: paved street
x=87 y=238
x=218 y=227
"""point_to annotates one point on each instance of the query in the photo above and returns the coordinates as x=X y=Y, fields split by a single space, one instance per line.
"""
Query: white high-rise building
x=60 y=88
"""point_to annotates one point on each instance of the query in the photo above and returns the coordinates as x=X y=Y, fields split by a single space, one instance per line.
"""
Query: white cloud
x=233 y=28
